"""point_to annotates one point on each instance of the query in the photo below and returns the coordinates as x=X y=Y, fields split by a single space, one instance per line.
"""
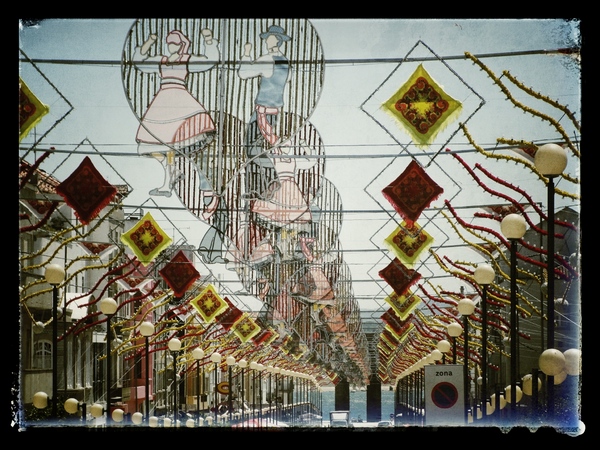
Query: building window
x=42 y=355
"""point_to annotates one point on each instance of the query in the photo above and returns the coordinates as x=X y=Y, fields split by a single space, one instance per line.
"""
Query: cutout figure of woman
x=284 y=203
x=175 y=120
x=273 y=70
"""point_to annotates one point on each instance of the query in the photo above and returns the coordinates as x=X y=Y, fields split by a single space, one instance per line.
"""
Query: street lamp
x=550 y=160
x=444 y=347
x=54 y=275
x=147 y=330
x=216 y=358
x=454 y=330
x=230 y=361
x=242 y=364
x=269 y=369
x=108 y=307
x=174 y=345
x=484 y=275
x=276 y=371
x=513 y=227
x=260 y=367
x=198 y=354
x=465 y=308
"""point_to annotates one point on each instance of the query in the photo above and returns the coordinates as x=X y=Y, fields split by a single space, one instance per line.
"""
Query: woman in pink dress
x=175 y=120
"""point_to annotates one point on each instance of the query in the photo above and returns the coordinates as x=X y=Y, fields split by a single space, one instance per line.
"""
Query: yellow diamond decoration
x=146 y=239
x=422 y=107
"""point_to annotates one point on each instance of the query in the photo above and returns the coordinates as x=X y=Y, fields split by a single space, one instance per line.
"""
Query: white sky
x=103 y=117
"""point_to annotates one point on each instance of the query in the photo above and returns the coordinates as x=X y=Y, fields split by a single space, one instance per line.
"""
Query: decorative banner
x=146 y=239
x=266 y=336
x=179 y=273
x=412 y=192
x=86 y=191
x=245 y=328
x=399 y=277
x=408 y=242
x=31 y=110
x=230 y=316
x=422 y=107
x=209 y=304
x=403 y=305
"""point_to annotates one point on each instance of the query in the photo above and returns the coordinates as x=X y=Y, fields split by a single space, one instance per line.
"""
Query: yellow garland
x=517 y=161
x=544 y=98
x=531 y=111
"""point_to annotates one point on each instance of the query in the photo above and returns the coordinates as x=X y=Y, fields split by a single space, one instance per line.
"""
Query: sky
x=74 y=66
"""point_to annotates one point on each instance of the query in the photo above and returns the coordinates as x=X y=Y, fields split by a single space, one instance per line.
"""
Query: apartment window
x=42 y=355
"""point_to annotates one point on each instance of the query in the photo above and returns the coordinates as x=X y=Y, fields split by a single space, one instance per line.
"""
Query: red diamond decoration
x=86 y=191
x=412 y=192
x=179 y=273
x=399 y=277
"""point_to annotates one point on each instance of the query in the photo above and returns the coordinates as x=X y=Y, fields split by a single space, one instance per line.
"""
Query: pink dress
x=285 y=203
x=174 y=117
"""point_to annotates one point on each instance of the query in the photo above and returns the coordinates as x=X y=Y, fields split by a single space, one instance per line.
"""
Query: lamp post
x=269 y=369
x=198 y=354
x=230 y=361
x=242 y=364
x=276 y=371
x=147 y=330
x=253 y=367
x=108 y=307
x=550 y=160
x=54 y=275
x=513 y=227
x=444 y=347
x=454 y=330
x=465 y=308
x=484 y=275
x=174 y=345
x=216 y=358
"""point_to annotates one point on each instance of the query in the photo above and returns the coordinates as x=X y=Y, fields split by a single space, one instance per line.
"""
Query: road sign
x=444 y=394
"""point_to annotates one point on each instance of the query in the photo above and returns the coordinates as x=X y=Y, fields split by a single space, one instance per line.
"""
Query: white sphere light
x=230 y=360
x=96 y=410
x=108 y=306
x=174 y=344
x=167 y=422
x=502 y=400
x=550 y=159
x=484 y=274
x=117 y=415
x=215 y=357
x=137 y=418
x=436 y=355
x=197 y=353
x=508 y=393
x=560 y=377
x=146 y=329
x=454 y=329
x=243 y=363
x=573 y=361
x=552 y=362
x=40 y=400
x=513 y=226
x=190 y=423
x=71 y=405
x=54 y=274
x=153 y=422
x=443 y=346
x=466 y=307
x=528 y=384
x=38 y=327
